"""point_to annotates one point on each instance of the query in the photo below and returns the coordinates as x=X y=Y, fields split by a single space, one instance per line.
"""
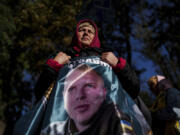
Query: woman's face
x=86 y=35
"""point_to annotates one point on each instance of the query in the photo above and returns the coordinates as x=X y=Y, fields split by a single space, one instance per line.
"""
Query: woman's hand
x=62 y=58
x=110 y=58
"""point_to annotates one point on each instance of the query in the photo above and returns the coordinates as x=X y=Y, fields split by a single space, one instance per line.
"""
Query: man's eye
x=90 y=85
x=71 y=89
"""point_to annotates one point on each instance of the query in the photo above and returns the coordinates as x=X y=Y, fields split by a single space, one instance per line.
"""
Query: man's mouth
x=82 y=108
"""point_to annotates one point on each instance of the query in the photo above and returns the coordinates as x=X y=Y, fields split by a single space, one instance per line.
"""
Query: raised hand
x=110 y=58
x=62 y=58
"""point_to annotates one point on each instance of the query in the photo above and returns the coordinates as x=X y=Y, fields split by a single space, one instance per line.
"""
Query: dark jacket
x=126 y=75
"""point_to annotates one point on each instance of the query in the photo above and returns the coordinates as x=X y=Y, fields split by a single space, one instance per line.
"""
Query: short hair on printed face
x=82 y=67
x=86 y=69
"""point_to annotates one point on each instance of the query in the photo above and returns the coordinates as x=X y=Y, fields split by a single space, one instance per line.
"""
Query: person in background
x=165 y=110
x=86 y=43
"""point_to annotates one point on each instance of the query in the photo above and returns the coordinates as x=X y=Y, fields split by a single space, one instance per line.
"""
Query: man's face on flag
x=84 y=93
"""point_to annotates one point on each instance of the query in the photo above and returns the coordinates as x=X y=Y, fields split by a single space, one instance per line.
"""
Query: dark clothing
x=126 y=76
x=163 y=114
x=129 y=81
x=47 y=76
x=145 y=111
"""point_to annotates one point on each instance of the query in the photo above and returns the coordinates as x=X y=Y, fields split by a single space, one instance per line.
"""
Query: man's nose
x=80 y=94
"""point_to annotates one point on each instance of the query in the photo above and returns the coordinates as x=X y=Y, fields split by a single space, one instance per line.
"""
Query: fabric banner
x=49 y=115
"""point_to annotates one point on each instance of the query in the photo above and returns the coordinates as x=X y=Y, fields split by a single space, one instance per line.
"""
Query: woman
x=86 y=43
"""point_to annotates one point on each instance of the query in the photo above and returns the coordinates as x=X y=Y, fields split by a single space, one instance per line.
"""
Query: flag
x=50 y=111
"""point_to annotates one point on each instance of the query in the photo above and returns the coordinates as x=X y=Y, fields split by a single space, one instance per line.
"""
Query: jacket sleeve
x=127 y=77
x=48 y=75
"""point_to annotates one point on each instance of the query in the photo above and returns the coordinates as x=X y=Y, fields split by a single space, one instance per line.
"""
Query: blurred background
x=145 y=32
